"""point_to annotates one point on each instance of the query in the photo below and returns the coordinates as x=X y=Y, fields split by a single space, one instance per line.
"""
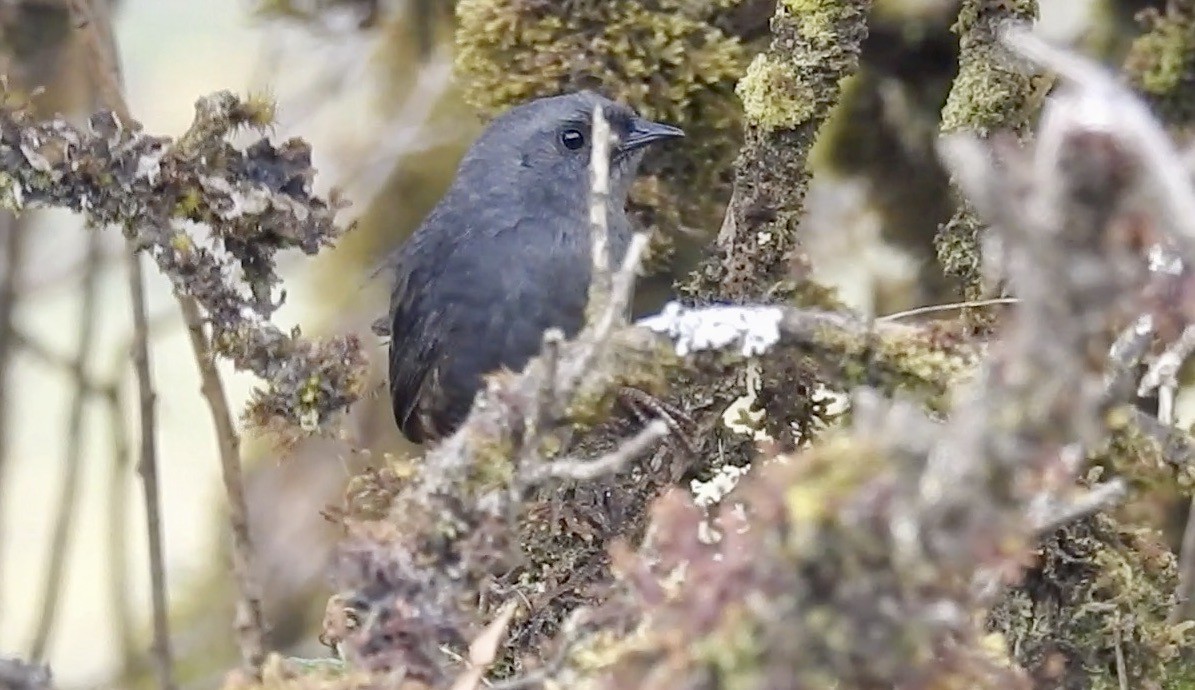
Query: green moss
x=992 y=92
x=815 y=19
x=787 y=93
x=735 y=652
x=773 y=97
x=1096 y=586
x=1161 y=62
x=925 y=365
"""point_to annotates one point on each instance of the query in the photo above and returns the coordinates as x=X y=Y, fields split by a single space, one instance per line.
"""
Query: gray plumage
x=504 y=255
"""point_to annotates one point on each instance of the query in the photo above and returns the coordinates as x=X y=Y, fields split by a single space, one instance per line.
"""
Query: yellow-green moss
x=1161 y=62
x=773 y=96
x=815 y=19
x=1097 y=586
x=734 y=653
x=993 y=91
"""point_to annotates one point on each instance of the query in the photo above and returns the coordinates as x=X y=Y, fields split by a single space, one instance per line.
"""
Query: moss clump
x=992 y=90
x=1161 y=62
x=773 y=98
x=1097 y=585
x=669 y=59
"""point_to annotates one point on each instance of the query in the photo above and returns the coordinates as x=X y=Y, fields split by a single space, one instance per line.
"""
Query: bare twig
x=611 y=462
x=599 y=199
x=1049 y=515
x=95 y=26
x=68 y=495
x=1163 y=373
x=27 y=344
x=1121 y=676
x=622 y=287
x=118 y=521
x=1126 y=353
x=250 y=622
x=933 y=308
x=147 y=467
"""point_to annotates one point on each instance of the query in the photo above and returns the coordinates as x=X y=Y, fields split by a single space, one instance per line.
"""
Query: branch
x=256 y=201
x=250 y=621
x=585 y=470
x=72 y=461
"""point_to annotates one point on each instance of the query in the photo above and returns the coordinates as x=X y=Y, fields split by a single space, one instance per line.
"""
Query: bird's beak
x=644 y=132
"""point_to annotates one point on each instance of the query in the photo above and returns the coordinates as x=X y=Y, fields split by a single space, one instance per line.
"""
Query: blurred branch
x=92 y=20
x=14 y=231
x=68 y=495
x=19 y=675
x=257 y=201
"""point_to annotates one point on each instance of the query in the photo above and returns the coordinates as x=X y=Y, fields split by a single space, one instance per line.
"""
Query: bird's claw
x=645 y=407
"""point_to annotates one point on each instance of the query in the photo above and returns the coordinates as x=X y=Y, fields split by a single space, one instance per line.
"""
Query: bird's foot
x=645 y=407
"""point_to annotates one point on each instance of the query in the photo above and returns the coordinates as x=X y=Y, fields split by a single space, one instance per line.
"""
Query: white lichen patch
x=753 y=329
x=709 y=493
x=149 y=166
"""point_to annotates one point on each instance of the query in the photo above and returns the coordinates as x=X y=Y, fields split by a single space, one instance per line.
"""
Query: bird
x=506 y=254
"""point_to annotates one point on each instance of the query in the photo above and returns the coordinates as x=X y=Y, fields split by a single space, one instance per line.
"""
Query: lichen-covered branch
x=867 y=560
x=256 y=201
x=787 y=93
x=993 y=92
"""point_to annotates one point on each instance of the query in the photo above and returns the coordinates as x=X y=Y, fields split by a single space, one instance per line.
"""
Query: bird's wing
x=416 y=389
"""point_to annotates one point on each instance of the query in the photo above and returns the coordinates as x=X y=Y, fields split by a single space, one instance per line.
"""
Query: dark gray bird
x=505 y=255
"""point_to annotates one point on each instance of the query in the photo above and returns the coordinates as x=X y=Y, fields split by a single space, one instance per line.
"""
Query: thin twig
x=622 y=287
x=147 y=468
x=118 y=521
x=932 y=308
x=1121 y=676
x=582 y=470
x=28 y=345
x=599 y=200
x=484 y=649
x=250 y=622
x=68 y=494
x=1051 y=516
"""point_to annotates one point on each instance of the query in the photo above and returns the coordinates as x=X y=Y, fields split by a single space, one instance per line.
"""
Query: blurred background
x=370 y=85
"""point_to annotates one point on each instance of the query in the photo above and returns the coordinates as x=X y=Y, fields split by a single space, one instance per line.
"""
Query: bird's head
x=548 y=141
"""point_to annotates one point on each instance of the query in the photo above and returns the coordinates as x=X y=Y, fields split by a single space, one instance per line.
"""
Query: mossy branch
x=994 y=92
x=256 y=201
x=787 y=93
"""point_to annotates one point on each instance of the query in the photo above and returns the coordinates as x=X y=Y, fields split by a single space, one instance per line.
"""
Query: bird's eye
x=572 y=139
